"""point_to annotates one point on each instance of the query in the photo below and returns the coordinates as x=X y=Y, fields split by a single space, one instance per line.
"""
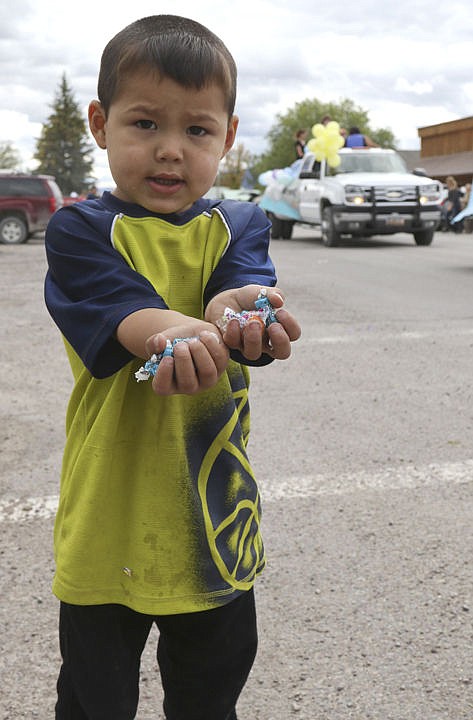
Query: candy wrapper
x=150 y=368
x=264 y=313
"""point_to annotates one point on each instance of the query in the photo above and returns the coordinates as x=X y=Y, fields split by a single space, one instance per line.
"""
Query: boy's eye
x=197 y=130
x=146 y=124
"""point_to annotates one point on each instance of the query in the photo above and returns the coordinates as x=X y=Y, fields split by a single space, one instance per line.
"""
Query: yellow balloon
x=333 y=147
x=332 y=127
x=334 y=160
x=317 y=129
x=326 y=142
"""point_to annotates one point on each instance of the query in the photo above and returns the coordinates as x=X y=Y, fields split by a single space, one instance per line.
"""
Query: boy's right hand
x=196 y=365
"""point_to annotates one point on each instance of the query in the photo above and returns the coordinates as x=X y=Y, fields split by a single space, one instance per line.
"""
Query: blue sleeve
x=246 y=260
x=90 y=289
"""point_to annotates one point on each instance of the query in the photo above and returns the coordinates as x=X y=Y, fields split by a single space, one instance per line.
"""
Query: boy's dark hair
x=173 y=46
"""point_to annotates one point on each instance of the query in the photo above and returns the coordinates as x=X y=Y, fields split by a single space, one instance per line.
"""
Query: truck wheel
x=276 y=226
x=13 y=230
x=286 y=229
x=424 y=237
x=330 y=236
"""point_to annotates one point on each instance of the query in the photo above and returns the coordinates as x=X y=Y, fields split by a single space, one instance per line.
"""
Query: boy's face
x=164 y=141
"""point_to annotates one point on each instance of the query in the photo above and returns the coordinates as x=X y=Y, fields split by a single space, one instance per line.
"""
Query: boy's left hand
x=275 y=341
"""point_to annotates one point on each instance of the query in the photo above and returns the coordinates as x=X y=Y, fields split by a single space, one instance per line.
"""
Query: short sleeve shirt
x=159 y=509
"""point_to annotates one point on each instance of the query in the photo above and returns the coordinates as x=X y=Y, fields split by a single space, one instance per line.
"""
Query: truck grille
x=395 y=194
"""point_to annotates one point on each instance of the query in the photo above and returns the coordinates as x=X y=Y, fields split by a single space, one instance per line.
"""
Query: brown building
x=447 y=149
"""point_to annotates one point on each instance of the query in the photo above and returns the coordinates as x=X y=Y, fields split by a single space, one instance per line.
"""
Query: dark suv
x=26 y=204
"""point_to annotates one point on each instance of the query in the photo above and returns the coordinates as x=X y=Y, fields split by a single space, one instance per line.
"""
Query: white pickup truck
x=369 y=193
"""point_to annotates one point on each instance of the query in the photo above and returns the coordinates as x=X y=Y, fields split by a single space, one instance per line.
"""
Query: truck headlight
x=355 y=195
x=429 y=194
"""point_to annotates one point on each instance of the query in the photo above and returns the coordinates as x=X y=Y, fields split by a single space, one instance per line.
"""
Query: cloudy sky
x=407 y=63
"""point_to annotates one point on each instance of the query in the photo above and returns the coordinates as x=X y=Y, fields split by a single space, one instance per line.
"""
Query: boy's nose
x=168 y=147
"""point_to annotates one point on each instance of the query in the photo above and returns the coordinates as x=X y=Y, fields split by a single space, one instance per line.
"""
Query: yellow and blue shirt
x=159 y=509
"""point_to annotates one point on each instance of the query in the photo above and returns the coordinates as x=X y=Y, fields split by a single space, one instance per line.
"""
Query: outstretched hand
x=196 y=365
x=253 y=340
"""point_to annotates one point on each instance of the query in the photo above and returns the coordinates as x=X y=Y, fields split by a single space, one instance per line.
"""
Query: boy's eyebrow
x=201 y=115
x=143 y=108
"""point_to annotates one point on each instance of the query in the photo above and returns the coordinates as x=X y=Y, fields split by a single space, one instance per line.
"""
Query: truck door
x=310 y=190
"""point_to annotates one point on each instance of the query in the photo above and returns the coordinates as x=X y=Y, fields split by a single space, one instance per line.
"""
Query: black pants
x=204 y=660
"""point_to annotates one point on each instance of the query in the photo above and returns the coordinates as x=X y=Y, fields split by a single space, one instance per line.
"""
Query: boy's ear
x=231 y=134
x=97 y=121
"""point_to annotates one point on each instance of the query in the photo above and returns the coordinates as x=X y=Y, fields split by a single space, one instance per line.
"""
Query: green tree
x=237 y=160
x=306 y=114
x=63 y=148
x=10 y=158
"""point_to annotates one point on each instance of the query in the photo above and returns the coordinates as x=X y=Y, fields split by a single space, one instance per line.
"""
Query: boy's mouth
x=169 y=182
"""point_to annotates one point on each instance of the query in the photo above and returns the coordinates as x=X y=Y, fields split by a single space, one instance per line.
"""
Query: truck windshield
x=369 y=162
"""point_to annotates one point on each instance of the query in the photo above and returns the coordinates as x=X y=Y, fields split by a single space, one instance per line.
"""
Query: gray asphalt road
x=362 y=444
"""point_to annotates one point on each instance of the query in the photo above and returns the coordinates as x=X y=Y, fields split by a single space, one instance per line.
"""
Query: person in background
x=468 y=220
x=300 y=144
x=93 y=193
x=465 y=199
x=356 y=139
x=325 y=121
x=452 y=205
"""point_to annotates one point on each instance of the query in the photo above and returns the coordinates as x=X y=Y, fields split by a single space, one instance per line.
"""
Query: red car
x=26 y=204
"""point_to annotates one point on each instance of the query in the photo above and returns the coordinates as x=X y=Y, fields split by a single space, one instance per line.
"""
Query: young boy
x=158 y=520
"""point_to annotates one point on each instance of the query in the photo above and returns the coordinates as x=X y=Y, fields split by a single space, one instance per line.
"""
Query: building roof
x=451 y=126
x=460 y=165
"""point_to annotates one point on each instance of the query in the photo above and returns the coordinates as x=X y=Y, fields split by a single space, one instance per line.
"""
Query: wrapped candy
x=263 y=312
x=150 y=368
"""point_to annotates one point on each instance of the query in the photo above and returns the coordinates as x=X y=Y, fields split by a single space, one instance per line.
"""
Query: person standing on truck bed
x=355 y=139
x=300 y=144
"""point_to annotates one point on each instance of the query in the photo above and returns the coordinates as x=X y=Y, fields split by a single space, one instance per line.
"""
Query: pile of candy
x=264 y=313
x=150 y=368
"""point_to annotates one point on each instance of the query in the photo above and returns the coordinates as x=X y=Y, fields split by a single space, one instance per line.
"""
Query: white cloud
x=416 y=87
x=17 y=128
x=406 y=67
